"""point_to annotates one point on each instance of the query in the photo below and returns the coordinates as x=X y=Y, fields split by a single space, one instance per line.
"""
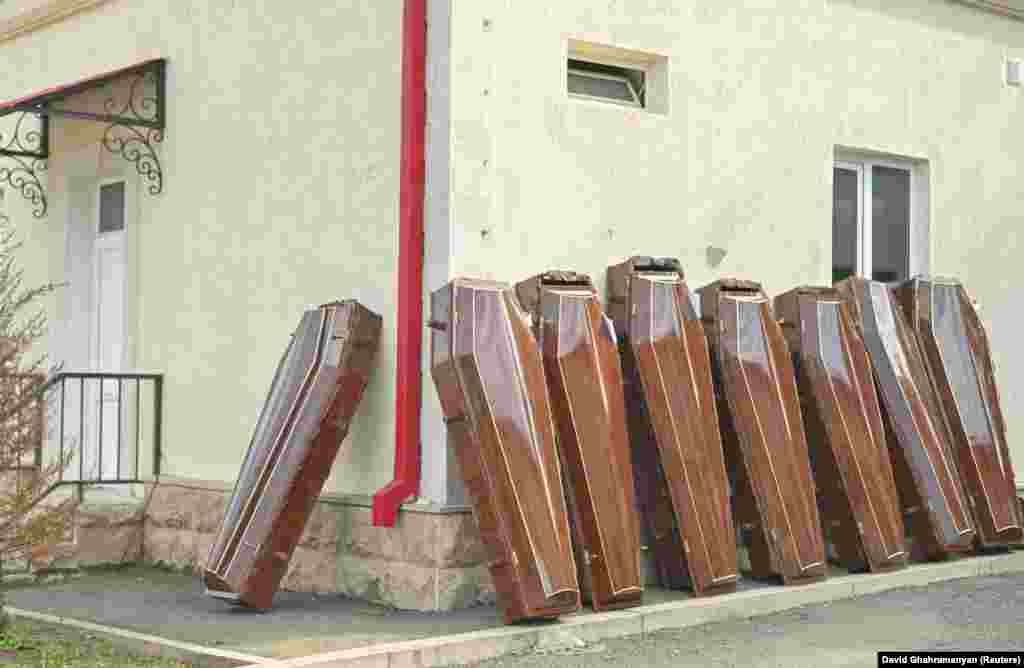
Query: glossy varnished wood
x=956 y=356
x=489 y=376
x=584 y=378
x=678 y=458
x=762 y=420
x=316 y=389
x=845 y=433
x=927 y=479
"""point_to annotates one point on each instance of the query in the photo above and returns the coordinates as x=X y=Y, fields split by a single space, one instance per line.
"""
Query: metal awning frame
x=135 y=124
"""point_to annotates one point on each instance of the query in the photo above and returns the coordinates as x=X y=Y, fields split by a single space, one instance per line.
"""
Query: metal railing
x=85 y=414
x=100 y=411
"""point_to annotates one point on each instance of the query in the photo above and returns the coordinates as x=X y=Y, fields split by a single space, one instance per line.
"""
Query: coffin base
x=559 y=605
x=1002 y=539
x=216 y=587
x=623 y=602
x=229 y=596
x=716 y=589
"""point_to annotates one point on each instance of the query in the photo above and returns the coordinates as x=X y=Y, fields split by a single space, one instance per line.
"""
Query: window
x=879 y=220
x=112 y=207
x=616 y=76
x=606 y=82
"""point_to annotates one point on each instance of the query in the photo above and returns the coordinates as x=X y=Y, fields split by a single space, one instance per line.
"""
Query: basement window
x=606 y=83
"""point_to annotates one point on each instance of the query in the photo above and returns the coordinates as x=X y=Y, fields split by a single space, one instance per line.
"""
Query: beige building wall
x=761 y=94
x=281 y=170
x=280 y=166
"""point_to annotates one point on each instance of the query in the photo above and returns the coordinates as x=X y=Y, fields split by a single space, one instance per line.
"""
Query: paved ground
x=170 y=605
x=972 y=614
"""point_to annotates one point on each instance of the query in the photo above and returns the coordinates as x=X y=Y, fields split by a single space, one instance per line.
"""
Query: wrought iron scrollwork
x=136 y=146
x=22 y=174
x=139 y=127
x=134 y=126
x=22 y=159
x=25 y=139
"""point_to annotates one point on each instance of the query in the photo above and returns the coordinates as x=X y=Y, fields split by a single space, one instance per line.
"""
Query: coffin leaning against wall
x=584 y=376
x=845 y=433
x=489 y=377
x=927 y=480
x=679 y=468
x=955 y=351
x=763 y=431
x=316 y=389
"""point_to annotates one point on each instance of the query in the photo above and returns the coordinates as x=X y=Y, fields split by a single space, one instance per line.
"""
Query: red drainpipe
x=406 y=482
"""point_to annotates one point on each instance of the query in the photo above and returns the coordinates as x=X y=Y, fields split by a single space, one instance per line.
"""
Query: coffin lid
x=618 y=274
x=471 y=283
x=442 y=299
x=851 y=290
x=710 y=294
x=787 y=305
x=529 y=291
x=618 y=283
x=912 y=285
x=338 y=303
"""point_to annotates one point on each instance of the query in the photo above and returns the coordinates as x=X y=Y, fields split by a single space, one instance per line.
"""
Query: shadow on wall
x=948 y=15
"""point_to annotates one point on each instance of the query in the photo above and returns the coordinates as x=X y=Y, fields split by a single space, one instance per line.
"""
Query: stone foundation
x=108 y=533
x=429 y=561
x=102 y=533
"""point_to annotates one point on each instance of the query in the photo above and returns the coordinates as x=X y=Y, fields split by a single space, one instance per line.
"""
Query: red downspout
x=406 y=483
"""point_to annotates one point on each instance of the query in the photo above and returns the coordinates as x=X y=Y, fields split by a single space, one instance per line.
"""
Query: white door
x=107 y=442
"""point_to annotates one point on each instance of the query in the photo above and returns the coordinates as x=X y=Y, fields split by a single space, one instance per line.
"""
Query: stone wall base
x=428 y=561
x=103 y=532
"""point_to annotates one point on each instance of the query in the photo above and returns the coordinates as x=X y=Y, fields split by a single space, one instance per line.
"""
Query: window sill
x=615 y=106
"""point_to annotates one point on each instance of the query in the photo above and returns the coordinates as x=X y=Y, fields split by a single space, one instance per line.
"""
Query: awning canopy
x=134 y=113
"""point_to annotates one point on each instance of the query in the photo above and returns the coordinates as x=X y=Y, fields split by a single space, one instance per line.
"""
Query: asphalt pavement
x=974 y=614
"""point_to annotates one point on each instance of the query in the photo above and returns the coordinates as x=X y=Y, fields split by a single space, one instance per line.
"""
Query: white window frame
x=918 y=243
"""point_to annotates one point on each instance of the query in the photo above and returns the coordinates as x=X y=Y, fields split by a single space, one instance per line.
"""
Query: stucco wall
x=281 y=168
x=281 y=190
x=761 y=94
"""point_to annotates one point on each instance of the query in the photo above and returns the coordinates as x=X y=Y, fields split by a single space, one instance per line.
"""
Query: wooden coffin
x=763 y=433
x=584 y=377
x=956 y=357
x=489 y=376
x=927 y=479
x=845 y=432
x=315 y=392
x=679 y=467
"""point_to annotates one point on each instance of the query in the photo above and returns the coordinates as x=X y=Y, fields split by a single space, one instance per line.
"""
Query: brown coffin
x=316 y=390
x=845 y=432
x=489 y=376
x=763 y=432
x=926 y=476
x=677 y=449
x=584 y=379
x=956 y=356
